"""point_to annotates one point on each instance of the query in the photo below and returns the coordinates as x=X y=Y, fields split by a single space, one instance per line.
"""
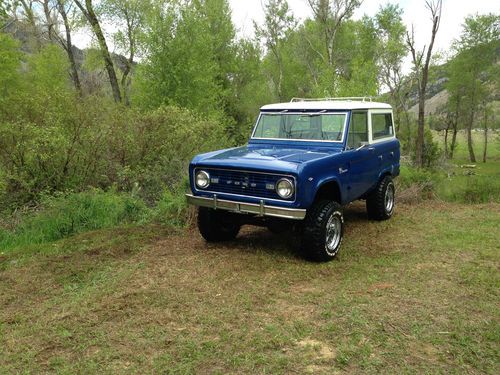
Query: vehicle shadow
x=254 y=239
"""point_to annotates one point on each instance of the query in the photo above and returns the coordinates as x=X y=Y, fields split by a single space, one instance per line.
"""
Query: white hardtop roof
x=325 y=105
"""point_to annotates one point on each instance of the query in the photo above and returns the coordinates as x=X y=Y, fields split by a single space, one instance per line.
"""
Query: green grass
x=478 y=185
x=65 y=215
x=416 y=294
x=452 y=181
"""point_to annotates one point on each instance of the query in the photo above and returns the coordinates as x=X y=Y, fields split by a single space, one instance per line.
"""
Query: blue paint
x=310 y=163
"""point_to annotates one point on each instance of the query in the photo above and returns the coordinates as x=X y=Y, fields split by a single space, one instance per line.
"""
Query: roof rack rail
x=349 y=98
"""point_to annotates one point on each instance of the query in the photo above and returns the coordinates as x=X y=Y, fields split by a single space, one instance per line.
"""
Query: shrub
x=471 y=189
x=101 y=146
x=64 y=215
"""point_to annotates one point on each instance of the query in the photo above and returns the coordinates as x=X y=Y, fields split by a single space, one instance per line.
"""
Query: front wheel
x=216 y=225
x=323 y=231
x=380 y=203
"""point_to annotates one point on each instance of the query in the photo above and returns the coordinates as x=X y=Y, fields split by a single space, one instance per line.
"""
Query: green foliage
x=172 y=208
x=103 y=146
x=471 y=189
x=191 y=57
x=64 y=215
x=10 y=59
x=432 y=153
x=474 y=71
x=425 y=179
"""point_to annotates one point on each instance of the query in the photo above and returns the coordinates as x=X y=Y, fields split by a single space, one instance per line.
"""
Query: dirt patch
x=322 y=351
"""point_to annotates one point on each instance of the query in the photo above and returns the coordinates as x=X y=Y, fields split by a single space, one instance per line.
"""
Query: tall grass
x=470 y=189
x=65 y=215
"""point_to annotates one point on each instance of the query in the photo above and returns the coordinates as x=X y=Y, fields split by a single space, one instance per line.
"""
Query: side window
x=382 y=125
x=358 y=129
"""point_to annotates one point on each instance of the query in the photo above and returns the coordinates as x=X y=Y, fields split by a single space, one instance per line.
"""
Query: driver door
x=362 y=165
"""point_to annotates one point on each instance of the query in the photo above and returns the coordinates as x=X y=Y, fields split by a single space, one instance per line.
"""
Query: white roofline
x=327 y=104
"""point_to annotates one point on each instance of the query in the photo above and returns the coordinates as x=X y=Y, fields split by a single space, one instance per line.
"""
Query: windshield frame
x=286 y=112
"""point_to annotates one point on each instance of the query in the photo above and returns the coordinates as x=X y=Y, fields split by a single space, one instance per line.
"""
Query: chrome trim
x=241 y=195
x=259 y=209
x=300 y=140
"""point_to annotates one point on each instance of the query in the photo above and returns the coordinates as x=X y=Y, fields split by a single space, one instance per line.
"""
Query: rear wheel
x=380 y=203
x=216 y=225
x=323 y=231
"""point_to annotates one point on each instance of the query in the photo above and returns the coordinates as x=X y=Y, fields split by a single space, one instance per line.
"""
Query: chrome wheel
x=333 y=233
x=389 y=198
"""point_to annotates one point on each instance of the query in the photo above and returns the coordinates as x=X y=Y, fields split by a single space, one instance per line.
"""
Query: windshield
x=309 y=126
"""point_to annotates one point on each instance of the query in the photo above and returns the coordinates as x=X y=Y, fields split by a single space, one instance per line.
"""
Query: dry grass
x=418 y=293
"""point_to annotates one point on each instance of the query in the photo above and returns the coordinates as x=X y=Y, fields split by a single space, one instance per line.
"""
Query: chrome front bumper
x=250 y=208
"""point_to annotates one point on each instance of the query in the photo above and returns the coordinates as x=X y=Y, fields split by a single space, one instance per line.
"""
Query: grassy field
x=453 y=180
x=419 y=293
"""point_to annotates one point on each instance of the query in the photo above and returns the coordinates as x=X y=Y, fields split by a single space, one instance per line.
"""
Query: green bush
x=470 y=189
x=64 y=215
x=102 y=146
x=171 y=209
x=410 y=176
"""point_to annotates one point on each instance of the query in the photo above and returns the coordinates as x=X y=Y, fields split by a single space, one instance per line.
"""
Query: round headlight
x=284 y=188
x=202 y=179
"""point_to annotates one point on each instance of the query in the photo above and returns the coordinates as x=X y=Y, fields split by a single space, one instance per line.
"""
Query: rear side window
x=358 y=129
x=382 y=125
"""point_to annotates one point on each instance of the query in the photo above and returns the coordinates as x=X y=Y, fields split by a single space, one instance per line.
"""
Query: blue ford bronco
x=304 y=161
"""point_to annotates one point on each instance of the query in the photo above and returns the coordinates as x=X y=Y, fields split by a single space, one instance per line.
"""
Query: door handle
x=371 y=149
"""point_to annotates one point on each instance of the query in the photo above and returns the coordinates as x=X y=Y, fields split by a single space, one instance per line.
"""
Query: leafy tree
x=88 y=11
x=10 y=77
x=473 y=71
x=55 y=13
x=391 y=33
x=278 y=24
x=128 y=17
x=330 y=14
x=190 y=59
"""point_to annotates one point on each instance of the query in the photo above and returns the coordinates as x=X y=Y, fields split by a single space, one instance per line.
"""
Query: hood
x=265 y=156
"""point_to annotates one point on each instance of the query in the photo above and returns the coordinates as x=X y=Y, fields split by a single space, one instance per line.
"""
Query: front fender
x=315 y=176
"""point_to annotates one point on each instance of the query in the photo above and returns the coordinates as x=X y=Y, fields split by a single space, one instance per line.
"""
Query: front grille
x=260 y=185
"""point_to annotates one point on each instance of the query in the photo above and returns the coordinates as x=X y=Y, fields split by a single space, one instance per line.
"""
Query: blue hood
x=270 y=157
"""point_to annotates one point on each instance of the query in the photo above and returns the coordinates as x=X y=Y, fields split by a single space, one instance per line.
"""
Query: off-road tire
x=314 y=244
x=216 y=225
x=377 y=204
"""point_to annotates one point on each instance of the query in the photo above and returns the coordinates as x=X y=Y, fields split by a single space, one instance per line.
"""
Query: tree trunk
x=397 y=119
x=419 y=144
x=69 y=48
x=472 y=156
x=446 y=141
x=453 y=139
x=485 y=149
x=89 y=13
